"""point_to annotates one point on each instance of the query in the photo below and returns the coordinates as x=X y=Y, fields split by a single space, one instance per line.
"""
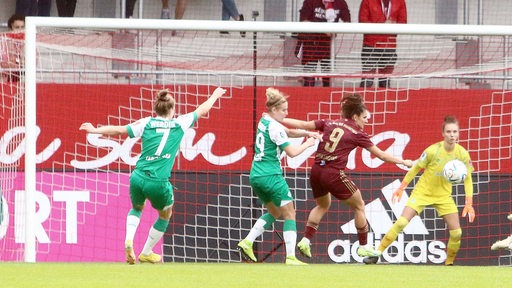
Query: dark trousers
x=33 y=7
x=66 y=8
x=311 y=67
x=377 y=60
x=130 y=7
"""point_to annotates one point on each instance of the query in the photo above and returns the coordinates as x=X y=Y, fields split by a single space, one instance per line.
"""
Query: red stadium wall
x=216 y=155
x=419 y=117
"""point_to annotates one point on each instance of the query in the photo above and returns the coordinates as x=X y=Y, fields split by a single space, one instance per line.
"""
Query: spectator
x=314 y=48
x=229 y=10
x=33 y=7
x=379 y=50
x=16 y=23
x=11 y=56
x=66 y=8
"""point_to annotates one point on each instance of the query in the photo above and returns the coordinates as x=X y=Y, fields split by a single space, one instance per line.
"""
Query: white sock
x=153 y=237
x=256 y=230
x=132 y=222
x=290 y=240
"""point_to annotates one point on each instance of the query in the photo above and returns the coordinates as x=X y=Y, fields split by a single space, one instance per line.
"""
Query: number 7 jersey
x=161 y=139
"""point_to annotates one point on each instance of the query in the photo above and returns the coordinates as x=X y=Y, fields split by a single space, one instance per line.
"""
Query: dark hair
x=449 y=120
x=14 y=18
x=164 y=103
x=274 y=98
x=352 y=104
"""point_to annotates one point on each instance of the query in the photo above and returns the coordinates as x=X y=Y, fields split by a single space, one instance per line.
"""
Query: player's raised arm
x=203 y=109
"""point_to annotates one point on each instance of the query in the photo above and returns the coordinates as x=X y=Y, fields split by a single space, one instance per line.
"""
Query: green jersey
x=161 y=140
x=271 y=139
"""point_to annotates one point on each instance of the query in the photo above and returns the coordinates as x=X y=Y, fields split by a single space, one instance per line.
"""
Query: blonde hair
x=164 y=103
x=275 y=98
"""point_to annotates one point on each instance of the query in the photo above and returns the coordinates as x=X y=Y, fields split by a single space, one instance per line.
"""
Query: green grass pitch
x=227 y=275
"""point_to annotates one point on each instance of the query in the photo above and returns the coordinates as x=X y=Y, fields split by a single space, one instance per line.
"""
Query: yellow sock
x=399 y=225
x=453 y=246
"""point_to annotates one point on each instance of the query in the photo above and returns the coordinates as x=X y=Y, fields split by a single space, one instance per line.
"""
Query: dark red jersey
x=340 y=137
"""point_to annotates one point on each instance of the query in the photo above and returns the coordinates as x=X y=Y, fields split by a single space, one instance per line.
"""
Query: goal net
x=107 y=72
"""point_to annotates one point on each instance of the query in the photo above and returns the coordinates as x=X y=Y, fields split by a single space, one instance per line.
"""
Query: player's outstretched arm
x=297 y=133
x=386 y=157
x=108 y=130
x=299 y=124
x=203 y=109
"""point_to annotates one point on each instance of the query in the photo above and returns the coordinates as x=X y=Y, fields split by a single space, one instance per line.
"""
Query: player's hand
x=315 y=135
x=218 y=92
x=408 y=163
x=397 y=195
x=310 y=141
x=469 y=210
x=88 y=127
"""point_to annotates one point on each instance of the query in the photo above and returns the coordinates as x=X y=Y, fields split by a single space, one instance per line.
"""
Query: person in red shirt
x=314 y=48
x=327 y=177
x=11 y=49
x=379 y=50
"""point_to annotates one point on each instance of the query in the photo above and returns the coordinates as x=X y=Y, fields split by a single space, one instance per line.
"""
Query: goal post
x=67 y=58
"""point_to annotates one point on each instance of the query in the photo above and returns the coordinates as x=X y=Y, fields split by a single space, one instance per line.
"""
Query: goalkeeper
x=433 y=190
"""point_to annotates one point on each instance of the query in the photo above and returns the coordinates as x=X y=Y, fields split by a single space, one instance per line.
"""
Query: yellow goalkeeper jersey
x=432 y=183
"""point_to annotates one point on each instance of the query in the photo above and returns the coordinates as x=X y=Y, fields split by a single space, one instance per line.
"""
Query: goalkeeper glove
x=468 y=209
x=397 y=195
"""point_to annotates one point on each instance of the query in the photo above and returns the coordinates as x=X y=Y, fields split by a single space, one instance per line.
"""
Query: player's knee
x=357 y=205
x=135 y=212
x=456 y=235
x=138 y=207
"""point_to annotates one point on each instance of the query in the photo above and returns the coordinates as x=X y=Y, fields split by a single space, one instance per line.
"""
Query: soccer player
x=328 y=176
x=505 y=243
x=432 y=189
x=161 y=137
x=266 y=176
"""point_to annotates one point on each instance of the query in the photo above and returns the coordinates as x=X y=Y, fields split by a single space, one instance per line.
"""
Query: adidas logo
x=378 y=218
x=400 y=251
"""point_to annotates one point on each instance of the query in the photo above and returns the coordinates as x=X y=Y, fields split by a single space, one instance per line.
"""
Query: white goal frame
x=32 y=24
